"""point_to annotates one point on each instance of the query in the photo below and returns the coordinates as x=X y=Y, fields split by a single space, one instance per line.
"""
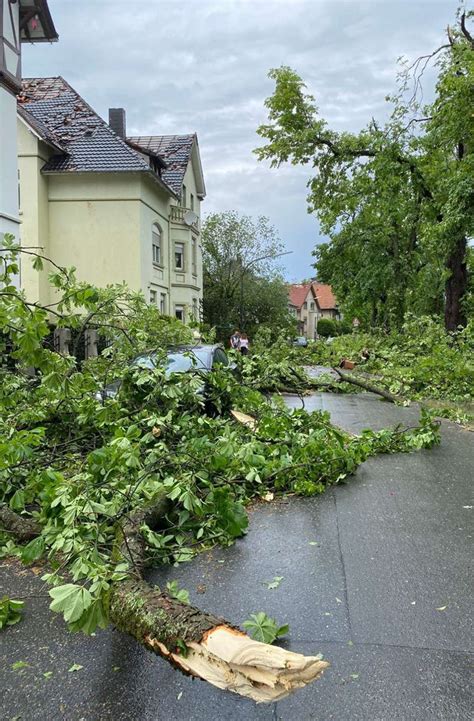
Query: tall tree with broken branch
x=100 y=489
x=396 y=200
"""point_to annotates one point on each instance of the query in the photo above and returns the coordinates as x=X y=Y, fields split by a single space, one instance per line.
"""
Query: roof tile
x=90 y=144
x=175 y=151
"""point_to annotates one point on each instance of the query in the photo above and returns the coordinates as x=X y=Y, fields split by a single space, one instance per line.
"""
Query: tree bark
x=197 y=643
x=456 y=286
x=347 y=378
x=215 y=651
x=23 y=529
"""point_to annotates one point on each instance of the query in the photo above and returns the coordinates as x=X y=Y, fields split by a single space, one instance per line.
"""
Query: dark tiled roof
x=90 y=144
x=175 y=151
x=41 y=129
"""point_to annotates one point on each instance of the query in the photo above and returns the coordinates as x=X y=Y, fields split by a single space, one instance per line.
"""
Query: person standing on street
x=235 y=340
x=244 y=344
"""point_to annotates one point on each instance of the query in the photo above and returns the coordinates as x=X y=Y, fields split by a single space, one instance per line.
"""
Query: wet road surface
x=375 y=576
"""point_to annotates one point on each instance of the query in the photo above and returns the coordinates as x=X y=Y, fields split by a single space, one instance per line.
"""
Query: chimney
x=117 y=121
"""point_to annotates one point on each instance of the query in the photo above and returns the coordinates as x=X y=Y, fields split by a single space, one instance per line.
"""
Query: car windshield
x=177 y=361
x=182 y=361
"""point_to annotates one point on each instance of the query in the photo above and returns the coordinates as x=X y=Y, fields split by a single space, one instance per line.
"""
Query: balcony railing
x=177 y=213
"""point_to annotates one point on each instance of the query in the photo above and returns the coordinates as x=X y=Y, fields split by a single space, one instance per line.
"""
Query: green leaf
x=230 y=514
x=75 y=667
x=275 y=582
x=95 y=616
x=10 y=611
x=175 y=592
x=38 y=263
x=33 y=550
x=263 y=628
x=19 y=665
x=70 y=600
x=17 y=501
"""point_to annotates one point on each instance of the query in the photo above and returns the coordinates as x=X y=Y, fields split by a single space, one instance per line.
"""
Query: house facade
x=118 y=209
x=308 y=303
x=20 y=21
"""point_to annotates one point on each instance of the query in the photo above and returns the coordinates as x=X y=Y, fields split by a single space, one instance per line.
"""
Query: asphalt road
x=375 y=575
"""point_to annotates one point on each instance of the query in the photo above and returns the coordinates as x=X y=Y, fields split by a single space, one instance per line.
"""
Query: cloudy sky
x=179 y=66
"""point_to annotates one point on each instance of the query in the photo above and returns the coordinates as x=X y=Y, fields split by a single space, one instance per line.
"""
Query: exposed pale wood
x=198 y=643
x=231 y=660
x=246 y=420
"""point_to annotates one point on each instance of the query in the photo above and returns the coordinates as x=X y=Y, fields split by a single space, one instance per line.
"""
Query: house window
x=312 y=305
x=179 y=256
x=153 y=297
x=179 y=312
x=305 y=305
x=192 y=201
x=163 y=303
x=195 y=309
x=194 y=255
x=183 y=196
x=156 y=244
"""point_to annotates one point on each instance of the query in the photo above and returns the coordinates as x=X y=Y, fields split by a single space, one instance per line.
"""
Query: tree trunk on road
x=198 y=643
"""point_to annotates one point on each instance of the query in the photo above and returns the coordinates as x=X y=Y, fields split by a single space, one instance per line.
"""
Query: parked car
x=179 y=359
x=300 y=341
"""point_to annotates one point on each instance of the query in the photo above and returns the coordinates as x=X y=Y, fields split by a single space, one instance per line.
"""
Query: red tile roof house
x=309 y=302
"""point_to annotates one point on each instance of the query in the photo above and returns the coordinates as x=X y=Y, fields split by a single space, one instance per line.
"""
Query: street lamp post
x=242 y=273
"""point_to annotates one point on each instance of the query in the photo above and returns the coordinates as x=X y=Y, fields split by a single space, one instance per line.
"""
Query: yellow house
x=118 y=209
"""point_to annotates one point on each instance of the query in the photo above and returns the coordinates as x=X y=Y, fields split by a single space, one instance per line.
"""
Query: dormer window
x=184 y=197
x=155 y=165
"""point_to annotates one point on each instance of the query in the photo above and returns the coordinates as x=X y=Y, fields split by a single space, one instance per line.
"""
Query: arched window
x=157 y=253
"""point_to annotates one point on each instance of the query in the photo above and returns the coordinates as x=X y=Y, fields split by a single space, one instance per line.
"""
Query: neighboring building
x=20 y=21
x=308 y=302
x=118 y=209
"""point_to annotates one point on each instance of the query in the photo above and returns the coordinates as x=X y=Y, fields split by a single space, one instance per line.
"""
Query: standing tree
x=396 y=201
x=242 y=288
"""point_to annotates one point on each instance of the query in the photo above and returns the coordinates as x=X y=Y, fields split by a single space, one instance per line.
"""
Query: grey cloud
x=201 y=65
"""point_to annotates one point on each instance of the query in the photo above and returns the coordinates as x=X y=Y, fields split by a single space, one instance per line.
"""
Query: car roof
x=201 y=346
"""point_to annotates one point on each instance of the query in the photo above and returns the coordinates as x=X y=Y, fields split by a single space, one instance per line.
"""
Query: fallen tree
x=366 y=386
x=99 y=490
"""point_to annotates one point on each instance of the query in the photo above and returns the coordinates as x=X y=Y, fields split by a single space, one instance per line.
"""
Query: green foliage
x=242 y=288
x=263 y=628
x=396 y=199
x=176 y=592
x=326 y=327
x=421 y=361
x=79 y=467
x=10 y=611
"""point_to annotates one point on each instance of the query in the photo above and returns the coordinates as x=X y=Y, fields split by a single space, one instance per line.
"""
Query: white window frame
x=153 y=296
x=163 y=303
x=179 y=308
x=157 y=233
x=179 y=244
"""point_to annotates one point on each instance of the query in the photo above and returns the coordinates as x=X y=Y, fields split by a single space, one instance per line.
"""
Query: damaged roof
x=88 y=143
x=176 y=151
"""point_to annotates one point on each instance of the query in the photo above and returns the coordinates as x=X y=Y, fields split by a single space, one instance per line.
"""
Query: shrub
x=326 y=327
